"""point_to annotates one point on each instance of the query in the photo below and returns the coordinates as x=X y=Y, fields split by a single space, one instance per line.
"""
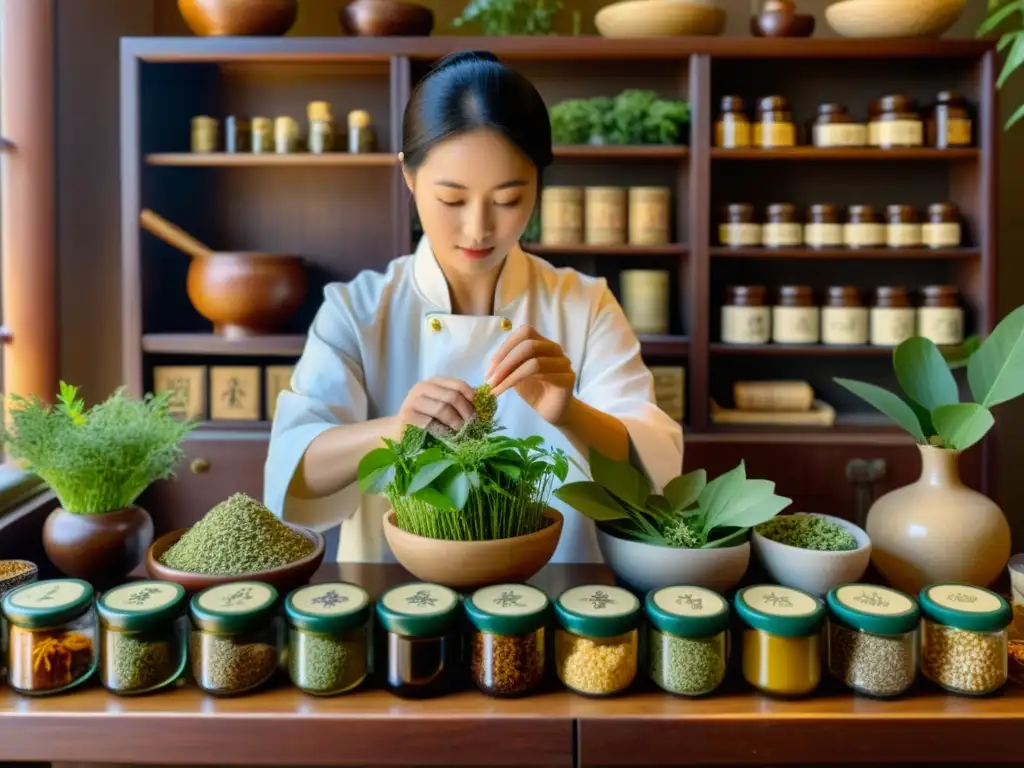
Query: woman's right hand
x=441 y=400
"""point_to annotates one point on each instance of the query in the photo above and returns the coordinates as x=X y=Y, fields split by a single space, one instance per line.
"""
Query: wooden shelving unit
x=354 y=214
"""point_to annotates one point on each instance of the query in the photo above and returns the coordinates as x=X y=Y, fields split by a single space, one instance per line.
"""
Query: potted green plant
x=506 y=18
x=97 y=461
x=468 y=508
x=634 y=117
x=938 y=529
x=695 y=532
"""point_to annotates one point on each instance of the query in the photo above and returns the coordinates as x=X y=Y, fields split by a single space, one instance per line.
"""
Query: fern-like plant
x=1007 y=15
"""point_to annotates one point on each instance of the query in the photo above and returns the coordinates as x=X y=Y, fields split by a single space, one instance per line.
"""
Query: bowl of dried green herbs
x=811 y=551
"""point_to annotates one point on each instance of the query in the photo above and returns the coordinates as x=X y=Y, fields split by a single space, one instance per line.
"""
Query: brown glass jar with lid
x=949 y=124
x=902 y=229
x=940 y=316
x=774 y=126
x=835 y=127
x=874 y=110
x=739 y=227
x=746 y=318
x=863 y=227
x=942 y=229
x=795 y=318
x=823 y=228
x=899 y=124
x=732 y=129
x=844 y=318
x=892 y=319
x=781 y=228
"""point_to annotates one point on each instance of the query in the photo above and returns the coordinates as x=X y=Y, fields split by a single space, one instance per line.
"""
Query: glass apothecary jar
x=781 y=639
x=835 y=127
x=942 y=229
x=781 y=228
x=688 y=648
x=892 y=319
x=863 y=228
x=898 y=123
x=507 y=656
x=949 y=124
x=236 y=637
x=422 y=643
x=746 y=317
x=902 y=229
x=597 y=639
x=873 y=639
x=844 y=319
x=328 y=637
x=732 y=129
x=51 y=636
x=940 y=316
x=823 y=228
x=143 y=636
x=964 y=638
x=739 y=228
x=795 y=318
x=774 y=127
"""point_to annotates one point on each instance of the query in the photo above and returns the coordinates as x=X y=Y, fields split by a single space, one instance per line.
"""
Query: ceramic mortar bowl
x=812 y=570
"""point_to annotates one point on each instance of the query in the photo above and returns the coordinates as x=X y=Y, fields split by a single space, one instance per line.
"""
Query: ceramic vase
x=101 y=549
x=937 y=529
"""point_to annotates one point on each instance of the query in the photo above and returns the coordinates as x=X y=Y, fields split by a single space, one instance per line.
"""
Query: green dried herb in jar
x=689 y=639
x=143 y=636
x=236 y=636
x=328 y=639
x=508 y=623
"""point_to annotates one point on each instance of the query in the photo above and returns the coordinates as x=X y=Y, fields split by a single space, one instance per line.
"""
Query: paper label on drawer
x=689 y=601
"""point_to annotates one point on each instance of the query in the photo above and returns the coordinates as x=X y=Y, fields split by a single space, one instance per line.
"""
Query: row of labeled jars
x=282 y=135
x=893 y=121
x=826 y=227
x=605 y=215
x=843 y=320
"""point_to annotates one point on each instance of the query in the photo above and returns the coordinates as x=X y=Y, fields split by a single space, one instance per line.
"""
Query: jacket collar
x=432 y=285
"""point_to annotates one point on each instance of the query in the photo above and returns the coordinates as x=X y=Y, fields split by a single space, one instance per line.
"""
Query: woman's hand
x=441 y=400
x=538 y=370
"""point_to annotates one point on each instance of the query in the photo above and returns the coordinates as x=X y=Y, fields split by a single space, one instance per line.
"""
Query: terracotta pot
x=937 y=529
x=239 y=17
x=101 y=549
x=472 y=564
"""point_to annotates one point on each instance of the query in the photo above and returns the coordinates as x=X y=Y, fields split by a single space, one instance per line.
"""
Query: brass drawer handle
x=199 y=466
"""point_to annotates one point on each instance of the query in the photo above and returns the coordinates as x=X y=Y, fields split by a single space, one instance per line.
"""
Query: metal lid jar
x=688 y=639
x=774 y=126
x=844 y=319
x=508 y=622
x=732 y=129
x=892 y=319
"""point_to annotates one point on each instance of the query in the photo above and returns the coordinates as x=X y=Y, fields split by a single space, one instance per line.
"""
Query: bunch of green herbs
x=505 y=18
x=691 y=513
x=470 y=485
x=634 y=117
x=808 y=532
x=96 y=459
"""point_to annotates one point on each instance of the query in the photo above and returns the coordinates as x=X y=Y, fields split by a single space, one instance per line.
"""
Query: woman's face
x=474 y=193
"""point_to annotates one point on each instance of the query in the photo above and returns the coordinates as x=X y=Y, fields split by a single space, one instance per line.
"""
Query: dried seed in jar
x=687 y=665
x=508 y=664
x=878 y=665
x=596 y=665
x=972 y=662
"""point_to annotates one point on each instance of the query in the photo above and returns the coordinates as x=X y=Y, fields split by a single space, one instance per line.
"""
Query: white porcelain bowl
x=812 y=570
x=647 y=566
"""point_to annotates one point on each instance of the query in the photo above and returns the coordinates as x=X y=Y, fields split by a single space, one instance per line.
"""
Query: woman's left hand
x=537 y=369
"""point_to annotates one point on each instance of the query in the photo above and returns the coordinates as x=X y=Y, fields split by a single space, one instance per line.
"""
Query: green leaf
x=512 y=470
x=716 y=494
x=591 y=500
x=748 y=515
x=732 y=539
x=1013 y=60
x=887 y=403
x=457 y=488
x=1014 y=118
x=658 y=506
x=428 y=474
x=995 y=372
x=371 y=465
x=957 y=356
x=378 y=480
x=924 y=374
x=433 y=497
x=620 y=478
x=682 y=491
x=1008 y=38
x=628 y=530
x=963 y=424
x=996 y=18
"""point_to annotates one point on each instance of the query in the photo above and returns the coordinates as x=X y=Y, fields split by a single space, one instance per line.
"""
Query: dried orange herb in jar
x=508 y=623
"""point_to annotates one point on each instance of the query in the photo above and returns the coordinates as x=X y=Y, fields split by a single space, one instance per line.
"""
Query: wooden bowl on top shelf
x=220 y=18
x=659 y=18
x=386 y=18
x=284 y=578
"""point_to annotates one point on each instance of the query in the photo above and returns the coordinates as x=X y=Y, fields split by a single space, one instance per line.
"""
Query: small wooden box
x=188 y=384
x=670 y=389
x=278 y=378
x=235 y=392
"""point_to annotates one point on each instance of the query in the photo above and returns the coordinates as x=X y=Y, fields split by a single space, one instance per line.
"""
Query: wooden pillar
x=28 y=264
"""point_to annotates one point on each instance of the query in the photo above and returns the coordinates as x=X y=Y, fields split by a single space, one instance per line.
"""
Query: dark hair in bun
x=470 y=90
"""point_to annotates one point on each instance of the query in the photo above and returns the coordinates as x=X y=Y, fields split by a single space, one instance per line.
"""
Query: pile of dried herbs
x=808 y=532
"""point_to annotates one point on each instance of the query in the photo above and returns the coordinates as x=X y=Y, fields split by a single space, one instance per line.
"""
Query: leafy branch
x=1000 y=12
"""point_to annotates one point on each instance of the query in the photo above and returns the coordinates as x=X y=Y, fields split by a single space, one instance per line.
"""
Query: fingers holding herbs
x=439 y=400
x=537 y=369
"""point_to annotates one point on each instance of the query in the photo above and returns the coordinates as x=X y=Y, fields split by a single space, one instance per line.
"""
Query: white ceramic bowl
x=646 y=566
x=812 y=570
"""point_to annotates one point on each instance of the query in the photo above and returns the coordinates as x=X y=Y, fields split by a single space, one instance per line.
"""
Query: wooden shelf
x=881 y=254
x=249 y=160
x=803 y=350
x=664 y=345
x=851 y=153
x=604 y=250
x=284 y=345
x=626 y=153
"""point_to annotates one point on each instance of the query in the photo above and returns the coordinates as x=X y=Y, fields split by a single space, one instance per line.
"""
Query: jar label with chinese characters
x=874 y=600
x=823 y=235
x=844 y=325
x=732 y=132
x=891 y=326
x=903 y=235
x=863 y=235
x=782 y=234
x=796 y=325
x=746 y=325
x=329 y=599
x=420 y=599
x=776 y=600
x=840 y=135
x=739 y=234
x=689 y=601
x=900 y=133
x=945 y=234
x=943 y=325
x=599 y=601
x=510 y=600
x=769 y=135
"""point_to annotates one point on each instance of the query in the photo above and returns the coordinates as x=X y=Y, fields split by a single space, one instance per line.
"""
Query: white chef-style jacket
x=376 y=336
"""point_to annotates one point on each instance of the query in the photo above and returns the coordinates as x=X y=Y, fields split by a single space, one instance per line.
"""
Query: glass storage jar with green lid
x=422 y=642
x=236 y=636
x=963 y=638
x=143 y=636
x=51 y=635
x=782 y=639
x=507 y=640
x=872 y=638
x=328 y=637
x=688 y=648
x=597 y=639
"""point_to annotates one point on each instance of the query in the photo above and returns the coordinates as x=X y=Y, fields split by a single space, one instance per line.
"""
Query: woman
x=408 y=346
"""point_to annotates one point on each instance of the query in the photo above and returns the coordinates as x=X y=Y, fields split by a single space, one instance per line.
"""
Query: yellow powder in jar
x=788 y=666
x=598 y=666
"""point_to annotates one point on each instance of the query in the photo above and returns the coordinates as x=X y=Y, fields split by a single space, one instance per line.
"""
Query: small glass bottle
x=844 y=319
x=899 y=124
x=732 y=130
x=823 y=228
x=902 y=229
x=688 y=640
x=774 y=127
x=863 y=229
x=782 y=638
x=237 y=135
x=422 y=639
x=236 y=637
x=286 y=135
x=361 y=136
x=746 y=316
x=739 y=229
x=942 y=230
x=781 y=228
x=964 y=638
x=835 y=127
x=328 y=637
x=507 y=638
x=795 y=318
x=143 y=636
x=940 y=316
x=597 y=639
x=262 y=135
x=321 y=127
x=872 y=639
x=51 y=636
x=892 y=319
x=204 y=134
x=949 y=124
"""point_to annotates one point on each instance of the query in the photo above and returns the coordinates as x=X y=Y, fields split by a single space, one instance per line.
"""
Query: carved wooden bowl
x=383 y=18
x=217 y=18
